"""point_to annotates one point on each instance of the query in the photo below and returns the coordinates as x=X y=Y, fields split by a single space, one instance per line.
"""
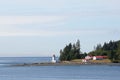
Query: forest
x=110 y=49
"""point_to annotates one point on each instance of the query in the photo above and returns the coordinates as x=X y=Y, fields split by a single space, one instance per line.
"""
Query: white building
x=94 y=58
x=99 y=57
x=53 y=59
x=88 y=58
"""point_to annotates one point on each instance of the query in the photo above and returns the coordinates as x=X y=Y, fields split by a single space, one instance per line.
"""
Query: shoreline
x=63 y=64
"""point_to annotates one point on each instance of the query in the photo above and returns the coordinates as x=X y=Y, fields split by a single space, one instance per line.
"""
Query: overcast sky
x=43 y=27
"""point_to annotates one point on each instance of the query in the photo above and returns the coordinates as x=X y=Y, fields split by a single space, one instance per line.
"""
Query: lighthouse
x=53 y=59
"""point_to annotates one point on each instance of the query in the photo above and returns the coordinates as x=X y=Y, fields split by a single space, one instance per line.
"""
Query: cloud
x=7 y=20
x=32 y=1
x=64 y=7
x=23 y=32
x=10 y=25
x=61 y=6
x=49 y=33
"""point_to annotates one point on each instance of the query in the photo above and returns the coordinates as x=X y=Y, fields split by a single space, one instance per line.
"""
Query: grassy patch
x=94 y=61
x=77 y=60
x=101 y=61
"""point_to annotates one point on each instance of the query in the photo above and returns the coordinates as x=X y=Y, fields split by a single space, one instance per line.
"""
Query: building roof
x=101 y=57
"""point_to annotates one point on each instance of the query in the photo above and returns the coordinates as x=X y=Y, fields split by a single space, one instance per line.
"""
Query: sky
x=35 y=28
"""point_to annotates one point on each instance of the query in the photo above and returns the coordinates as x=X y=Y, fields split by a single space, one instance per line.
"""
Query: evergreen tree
x=70 y=52
x=98 y=47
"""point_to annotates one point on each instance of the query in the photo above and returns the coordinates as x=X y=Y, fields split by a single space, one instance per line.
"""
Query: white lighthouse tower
x=53 y=59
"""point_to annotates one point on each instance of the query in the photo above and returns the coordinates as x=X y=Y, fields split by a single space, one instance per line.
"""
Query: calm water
x=81 y=72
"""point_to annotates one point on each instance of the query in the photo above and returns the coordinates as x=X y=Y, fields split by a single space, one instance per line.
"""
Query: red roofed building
x=99 y=57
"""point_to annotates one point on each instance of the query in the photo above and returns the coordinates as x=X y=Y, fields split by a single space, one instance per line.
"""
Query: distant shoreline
x=63 y=64
x=69 y=63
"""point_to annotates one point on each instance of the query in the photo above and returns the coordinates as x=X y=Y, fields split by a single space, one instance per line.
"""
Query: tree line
x=110 y=49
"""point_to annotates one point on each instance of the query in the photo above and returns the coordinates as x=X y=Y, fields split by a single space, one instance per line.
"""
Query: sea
x=64 y=72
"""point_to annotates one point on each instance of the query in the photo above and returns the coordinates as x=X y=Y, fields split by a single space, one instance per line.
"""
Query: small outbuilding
x=94 y=58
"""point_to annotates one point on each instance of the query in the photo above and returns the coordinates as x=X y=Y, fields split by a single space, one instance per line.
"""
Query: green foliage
x=82 y=56
x=70 y=52
x=111 y=49
x=98 y=47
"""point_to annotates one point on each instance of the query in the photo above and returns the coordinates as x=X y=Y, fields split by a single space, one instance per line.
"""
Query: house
x=88 y=57
x=99 y=57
